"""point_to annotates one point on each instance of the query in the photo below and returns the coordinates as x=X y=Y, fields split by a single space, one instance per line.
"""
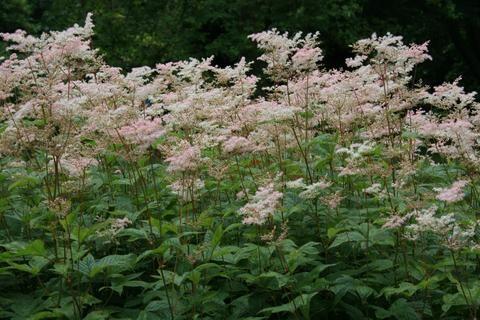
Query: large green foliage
x=71 y=267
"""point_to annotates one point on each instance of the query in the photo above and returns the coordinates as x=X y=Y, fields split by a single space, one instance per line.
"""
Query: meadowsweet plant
x=191 y=191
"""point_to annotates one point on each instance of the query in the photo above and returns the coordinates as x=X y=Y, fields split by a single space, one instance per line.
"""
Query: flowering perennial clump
x=189 y=190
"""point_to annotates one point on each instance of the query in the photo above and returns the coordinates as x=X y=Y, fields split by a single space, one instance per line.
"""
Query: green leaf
x=156 y=305
x=91 y=267
x=350 y=236
x=379 y=265
x=122 y=182
x=34 y=266
x=305 y=255
x=301 y=302
x=400 y=310
x=332 y=232
x=405 y=288
x=450 y=300
x=346 y=284
x=119 y=282
x=24 y=182
x=215 y=241
x=34 y=248
x=98 y=315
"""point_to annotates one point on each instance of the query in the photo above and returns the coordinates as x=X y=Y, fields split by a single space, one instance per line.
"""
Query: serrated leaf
x=350 y=236
x=301 y=302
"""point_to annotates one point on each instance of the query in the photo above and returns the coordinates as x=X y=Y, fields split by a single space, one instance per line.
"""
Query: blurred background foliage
x=133 y=33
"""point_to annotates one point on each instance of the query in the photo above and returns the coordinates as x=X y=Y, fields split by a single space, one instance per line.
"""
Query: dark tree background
x=142 y=32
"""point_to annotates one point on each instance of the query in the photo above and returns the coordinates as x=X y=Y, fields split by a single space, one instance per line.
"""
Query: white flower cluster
x=312 y=191
x=357 y=150
x=262 y=206
x=454 y=193
x=427 y=221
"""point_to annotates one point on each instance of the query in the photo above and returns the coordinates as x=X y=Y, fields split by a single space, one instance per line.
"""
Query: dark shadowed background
x=132 y=33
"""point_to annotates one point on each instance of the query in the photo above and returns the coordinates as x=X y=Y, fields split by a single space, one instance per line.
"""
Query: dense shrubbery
x=190 y=191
